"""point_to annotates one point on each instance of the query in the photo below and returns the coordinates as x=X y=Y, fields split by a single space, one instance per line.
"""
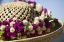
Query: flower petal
x=5 y=22
x=34 y=26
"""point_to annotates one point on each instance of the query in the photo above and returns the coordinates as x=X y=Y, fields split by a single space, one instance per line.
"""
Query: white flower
x=42 y=17
x=32 y=5
x=32 y=32
x=30 y=24
x=43 y=28
x=30 y=28
x=12 y=30
x=40 y=32
x=36 y=22
x=25 y=22
x=2 y=27
x=38 y=29
x=51 y=20
x=36 y=18
x=43 y=13
x=46 y=16
x=11 y=24
x=39 y=7
x=49 y=12
x=48 y=30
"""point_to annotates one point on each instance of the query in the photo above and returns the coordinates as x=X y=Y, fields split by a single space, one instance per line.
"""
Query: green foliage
x=25 y=28
x=18 y=35
x=1 y=33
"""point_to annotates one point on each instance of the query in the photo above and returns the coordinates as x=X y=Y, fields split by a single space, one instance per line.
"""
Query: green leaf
x=25 y=28
x=18 y=35
x=1 y=32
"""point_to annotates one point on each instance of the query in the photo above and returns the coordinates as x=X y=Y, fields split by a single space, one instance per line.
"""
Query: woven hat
x=17 y=10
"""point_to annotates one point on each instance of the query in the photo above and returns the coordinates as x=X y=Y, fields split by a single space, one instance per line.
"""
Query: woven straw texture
x=17 y=10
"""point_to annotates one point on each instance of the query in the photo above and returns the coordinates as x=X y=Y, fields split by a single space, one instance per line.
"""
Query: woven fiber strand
x=44 y=38
x=17 y=10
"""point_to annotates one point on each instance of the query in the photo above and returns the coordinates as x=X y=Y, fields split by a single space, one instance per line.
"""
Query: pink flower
x=32 y=2
x=34 y=26
x=5 y=22
x=10 y=20
x=14 y=34
x=45 y=10
x=6 y=36
x=20 y=28
x=15 y=25
x=7 y=28
x=29 y=2
x=20 y=23
x=22 y=33
x=41 y=24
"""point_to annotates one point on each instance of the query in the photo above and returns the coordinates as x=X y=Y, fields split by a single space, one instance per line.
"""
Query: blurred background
x=57 y=8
